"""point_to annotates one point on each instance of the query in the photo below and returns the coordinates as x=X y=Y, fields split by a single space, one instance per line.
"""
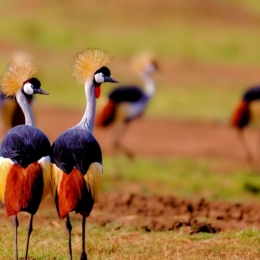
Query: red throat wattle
x=97 y=91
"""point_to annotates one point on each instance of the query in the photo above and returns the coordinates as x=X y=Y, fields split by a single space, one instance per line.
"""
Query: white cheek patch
x=99 y=78
x=27 y=88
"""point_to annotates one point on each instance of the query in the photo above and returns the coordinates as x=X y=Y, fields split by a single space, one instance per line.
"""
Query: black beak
x=40 y=91
x=108 y=79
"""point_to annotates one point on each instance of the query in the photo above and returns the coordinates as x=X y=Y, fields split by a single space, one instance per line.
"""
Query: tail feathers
x=73 y=194
x=45 y=164
x=241 y=115
x=24 y=188
x=5 y=166
x=105 y=115
x=93 y=179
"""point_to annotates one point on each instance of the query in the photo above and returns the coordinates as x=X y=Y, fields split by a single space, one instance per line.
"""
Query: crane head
x=102 y=75
x=33 y=86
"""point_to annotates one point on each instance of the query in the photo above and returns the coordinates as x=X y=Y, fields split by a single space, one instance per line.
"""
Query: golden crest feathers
x=87 y=63
x=17 y=73
x=141 y=60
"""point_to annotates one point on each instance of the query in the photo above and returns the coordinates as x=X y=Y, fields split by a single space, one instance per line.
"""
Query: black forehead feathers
x=35 y=82
x=104 y=70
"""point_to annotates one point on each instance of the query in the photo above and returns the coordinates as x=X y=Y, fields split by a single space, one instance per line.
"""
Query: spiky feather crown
x=17 y=73
x=141 y=60
x=87 y=63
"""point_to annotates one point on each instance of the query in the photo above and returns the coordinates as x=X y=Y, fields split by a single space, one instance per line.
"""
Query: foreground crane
x=126 y=103
x=25 y=165
x=76 y=155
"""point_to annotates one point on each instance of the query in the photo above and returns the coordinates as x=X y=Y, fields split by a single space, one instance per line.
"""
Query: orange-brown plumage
x=74 y=195
x=24 y=189
x=241 y=115
x=106 y=114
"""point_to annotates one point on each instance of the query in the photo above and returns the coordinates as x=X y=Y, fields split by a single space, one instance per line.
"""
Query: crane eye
x=99 y=78
x=28 y=88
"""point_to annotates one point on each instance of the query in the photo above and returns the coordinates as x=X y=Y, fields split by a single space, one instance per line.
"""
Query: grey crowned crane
x=25 y=165
x=76 y=155
x=126 y=103
x=245 y=113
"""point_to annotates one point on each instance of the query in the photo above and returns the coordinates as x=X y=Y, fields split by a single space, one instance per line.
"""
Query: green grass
x=168 y=35
x=203 y=178
x=202 y=103
x=171 y=30
x=109 y=242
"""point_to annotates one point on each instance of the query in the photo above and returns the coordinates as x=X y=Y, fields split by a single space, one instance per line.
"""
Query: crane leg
x=15 y=224
x=83 y=254
x=29 y=230
x=119 y=132
x=249 y=155
x=69 y=228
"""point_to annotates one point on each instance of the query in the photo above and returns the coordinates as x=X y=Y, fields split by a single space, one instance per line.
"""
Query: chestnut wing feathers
x=75 y=148
x=25 y=144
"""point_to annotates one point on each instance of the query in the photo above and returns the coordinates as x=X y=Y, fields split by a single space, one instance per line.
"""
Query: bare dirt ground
x=155 y=137
x=160 y=137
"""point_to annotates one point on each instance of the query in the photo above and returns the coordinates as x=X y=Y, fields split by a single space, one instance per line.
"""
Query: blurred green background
x=208 y=50
x=208 y=53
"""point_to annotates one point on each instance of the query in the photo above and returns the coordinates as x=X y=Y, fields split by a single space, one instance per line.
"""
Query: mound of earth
x=161 y=213
x=165 y=213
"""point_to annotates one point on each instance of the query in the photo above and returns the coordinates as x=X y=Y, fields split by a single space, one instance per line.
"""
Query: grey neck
x=26 y=108
x=87 y=121
x=149 y=85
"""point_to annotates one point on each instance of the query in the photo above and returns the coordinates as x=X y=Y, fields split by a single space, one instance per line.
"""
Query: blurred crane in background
x=76 y=155
x=245 y=113
x=11 y=113
x=126 y=103
x=25 y=165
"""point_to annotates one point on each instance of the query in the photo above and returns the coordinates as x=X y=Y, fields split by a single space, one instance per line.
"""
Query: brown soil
x=164 y=213
x=171 y=138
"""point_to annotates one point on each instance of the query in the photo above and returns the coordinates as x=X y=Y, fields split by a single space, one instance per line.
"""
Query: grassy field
x=49 y=238
x=208 y=52
x=111 y=243
x=182 y=177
